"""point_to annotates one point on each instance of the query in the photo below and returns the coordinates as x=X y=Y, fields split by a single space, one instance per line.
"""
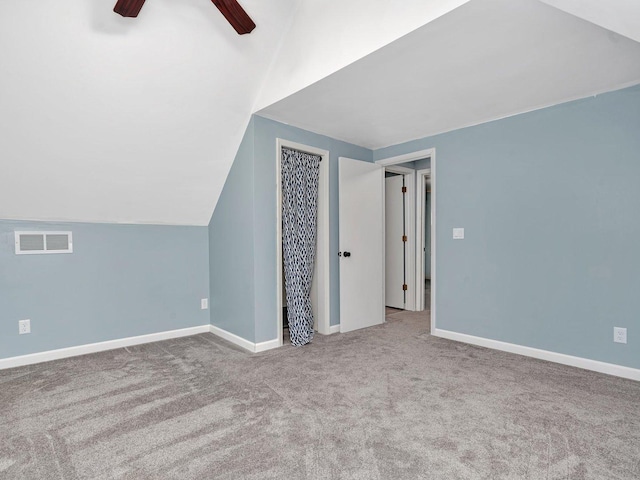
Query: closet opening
x=320 y=295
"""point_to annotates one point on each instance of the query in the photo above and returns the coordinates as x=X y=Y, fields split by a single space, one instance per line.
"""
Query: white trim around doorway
x=421 y=218
x=416 y=231
x=322 y=285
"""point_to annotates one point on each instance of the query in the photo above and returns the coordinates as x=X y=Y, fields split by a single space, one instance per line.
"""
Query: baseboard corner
x=334 y=329
x=243 y=342
x=268 y=345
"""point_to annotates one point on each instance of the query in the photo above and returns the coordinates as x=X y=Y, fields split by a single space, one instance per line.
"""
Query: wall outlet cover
x=204 y=303
x=619 y=335
x=24 y=326
x=458 y=233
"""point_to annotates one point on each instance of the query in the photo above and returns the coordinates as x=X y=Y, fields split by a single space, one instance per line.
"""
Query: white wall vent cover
x=43 y=242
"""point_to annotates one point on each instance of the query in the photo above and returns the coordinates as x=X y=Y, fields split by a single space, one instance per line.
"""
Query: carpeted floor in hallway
x=388 y=402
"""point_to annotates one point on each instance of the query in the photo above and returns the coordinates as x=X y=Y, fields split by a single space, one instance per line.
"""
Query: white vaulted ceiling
x=485 y=60
x=328 y=35
x=620 y=16
x=126 y=120
x=111 y=119
x=106 y=119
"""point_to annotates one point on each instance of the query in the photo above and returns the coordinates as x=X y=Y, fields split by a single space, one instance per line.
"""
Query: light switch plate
x=204 y=303
x=458 y=233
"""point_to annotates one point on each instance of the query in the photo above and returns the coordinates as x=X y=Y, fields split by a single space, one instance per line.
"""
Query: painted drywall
x=422 y=164
x=328 y=35
x=242 y=231
x=231 y=255
x=620 y=16
x=126 y=120
x=549 y=202
x=120 y=281
x=487 y=59
x=414 y=164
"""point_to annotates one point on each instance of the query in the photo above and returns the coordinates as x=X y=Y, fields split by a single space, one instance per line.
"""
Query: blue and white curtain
x=300 y=173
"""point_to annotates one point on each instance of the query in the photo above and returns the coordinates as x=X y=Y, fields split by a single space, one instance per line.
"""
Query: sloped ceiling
x=485 y=60
x=328 y=35
x=106 y=119
x=620 y=16
x=126 y=120
x=110 y=119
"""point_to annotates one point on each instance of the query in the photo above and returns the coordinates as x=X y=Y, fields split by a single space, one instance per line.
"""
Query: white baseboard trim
x=585 y=363
x=334 y=329
x=233 y=338
x=271 y=344
x=241 y=342
x=49 y=355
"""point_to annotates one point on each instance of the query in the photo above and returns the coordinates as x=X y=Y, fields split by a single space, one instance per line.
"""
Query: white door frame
x=409 y=252
x=422 y=216
x=416 y=231
x=322 y=250
x=412 y=258
x=420 y=219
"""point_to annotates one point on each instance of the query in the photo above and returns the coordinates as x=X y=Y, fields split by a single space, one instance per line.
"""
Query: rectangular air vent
x=43 y=242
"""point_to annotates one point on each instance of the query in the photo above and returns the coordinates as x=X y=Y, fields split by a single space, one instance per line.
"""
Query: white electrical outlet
x=619 y=335
x=458 y=233
x=204 y=303
x=24 y=326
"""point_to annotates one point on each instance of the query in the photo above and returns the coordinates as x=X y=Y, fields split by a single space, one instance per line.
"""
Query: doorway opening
x=397 y=246
x=320 y=300
x=420 y=260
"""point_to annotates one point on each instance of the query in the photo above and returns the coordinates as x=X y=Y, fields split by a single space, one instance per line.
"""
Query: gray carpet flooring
x=389 y=402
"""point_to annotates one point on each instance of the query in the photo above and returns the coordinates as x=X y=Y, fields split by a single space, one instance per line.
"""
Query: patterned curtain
x=300 y=173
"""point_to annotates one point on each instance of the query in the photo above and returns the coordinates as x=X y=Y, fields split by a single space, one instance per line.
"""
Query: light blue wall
x=231 y=250
x=414 y=164
x=242 y=231
x=266 y=133
x=422 y=164
x=549 y=201
x=120 y=281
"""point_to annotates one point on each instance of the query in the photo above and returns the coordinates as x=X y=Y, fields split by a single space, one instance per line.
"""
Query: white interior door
x=361 y=225
x=394 y=245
